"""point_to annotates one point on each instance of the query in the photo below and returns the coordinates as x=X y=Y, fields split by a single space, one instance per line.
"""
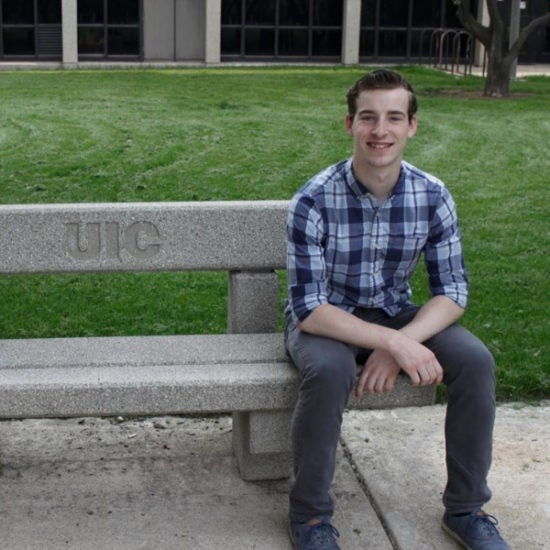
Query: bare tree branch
x=541 y=21
x=470 y=23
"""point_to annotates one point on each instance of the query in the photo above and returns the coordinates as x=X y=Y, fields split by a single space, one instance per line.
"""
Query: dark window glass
x=18 y=12
x=259 y=42
x=232 y=12
x=393 y=43
x=427 y=13
x=294 y=12
x=293 y=42
x=326 y=43
x=123 y=41
x=420 y=43
x=49 y=11
x=366 y=44
x=282 y=27
x=18 y=41
x=90 y=11
x=260 y=13
x=124 y=12
x=394 y=13
x=368 y=13
x=231 y=41
x=91 y=40
x=327 y=12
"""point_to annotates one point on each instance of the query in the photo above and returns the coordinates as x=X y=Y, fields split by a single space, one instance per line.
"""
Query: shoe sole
x=450 y=532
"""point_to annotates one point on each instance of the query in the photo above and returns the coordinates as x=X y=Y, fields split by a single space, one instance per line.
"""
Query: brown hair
x=381 y=79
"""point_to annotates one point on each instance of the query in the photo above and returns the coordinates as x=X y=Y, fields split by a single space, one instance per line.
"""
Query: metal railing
x=449 y=49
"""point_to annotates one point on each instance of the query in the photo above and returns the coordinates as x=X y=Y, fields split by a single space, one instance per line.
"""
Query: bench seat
x=150 y=375
x=155 y=375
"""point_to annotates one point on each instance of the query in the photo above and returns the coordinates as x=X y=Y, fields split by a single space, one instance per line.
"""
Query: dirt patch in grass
x=473 y=94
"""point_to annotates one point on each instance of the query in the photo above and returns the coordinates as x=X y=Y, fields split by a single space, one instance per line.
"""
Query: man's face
x=381 y=128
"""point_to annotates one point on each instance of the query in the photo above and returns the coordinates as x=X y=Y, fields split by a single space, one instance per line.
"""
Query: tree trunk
x=499 y=60
x=497 y=81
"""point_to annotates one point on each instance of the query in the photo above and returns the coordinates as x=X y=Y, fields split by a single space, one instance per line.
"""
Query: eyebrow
x=371 y=112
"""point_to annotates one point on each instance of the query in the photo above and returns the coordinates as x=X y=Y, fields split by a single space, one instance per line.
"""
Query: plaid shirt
x=347 y=249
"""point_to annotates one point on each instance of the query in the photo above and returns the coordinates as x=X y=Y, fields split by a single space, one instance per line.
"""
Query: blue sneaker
x=475 y=531
x=320 y=536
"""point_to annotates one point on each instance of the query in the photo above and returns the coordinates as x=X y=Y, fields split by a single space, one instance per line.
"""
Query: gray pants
x=328 y=370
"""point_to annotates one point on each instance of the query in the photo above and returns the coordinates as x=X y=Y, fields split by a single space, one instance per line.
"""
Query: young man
x=355 y=233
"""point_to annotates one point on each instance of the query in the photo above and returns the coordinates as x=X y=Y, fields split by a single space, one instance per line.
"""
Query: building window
x=30 y=29
x=282 y=29
x=402 y=29
x=109 y=29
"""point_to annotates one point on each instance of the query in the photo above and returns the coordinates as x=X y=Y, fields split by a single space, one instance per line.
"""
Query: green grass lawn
x=224 y=134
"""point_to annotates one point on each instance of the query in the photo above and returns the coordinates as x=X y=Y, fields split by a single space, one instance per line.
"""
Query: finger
x=360 y=386
x=415 y=378
x=440 y=374
x=436 y=373
x=379 y=384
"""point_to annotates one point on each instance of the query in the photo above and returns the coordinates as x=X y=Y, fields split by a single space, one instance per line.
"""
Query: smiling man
x=355 y=234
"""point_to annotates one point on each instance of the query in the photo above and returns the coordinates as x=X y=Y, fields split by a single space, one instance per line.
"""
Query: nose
x=379 y=129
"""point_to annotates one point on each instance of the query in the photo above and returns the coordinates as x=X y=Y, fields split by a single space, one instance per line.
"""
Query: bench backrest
x=245 y=238
x=124 y=237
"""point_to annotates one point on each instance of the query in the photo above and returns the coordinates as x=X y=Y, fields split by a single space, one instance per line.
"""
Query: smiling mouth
x=373 y=145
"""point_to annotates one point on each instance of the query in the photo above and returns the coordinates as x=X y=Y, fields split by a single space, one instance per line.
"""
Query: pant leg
x=469 y=376
x=328 y=372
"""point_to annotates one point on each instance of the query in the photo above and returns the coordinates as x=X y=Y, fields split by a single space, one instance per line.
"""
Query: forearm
x=406 y=353
x=332 y=322
x=434 y=316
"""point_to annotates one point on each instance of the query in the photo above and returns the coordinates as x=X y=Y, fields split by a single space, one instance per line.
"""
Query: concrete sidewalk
x=171 y=483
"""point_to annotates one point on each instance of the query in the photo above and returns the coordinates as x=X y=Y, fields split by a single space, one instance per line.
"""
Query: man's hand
x=382 y=367
x=378 y=375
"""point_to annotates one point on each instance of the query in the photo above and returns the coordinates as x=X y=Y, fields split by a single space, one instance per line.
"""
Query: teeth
x=378 y=145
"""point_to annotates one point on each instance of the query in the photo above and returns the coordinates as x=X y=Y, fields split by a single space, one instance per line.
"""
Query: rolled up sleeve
x=306 y=271
x=443 y=254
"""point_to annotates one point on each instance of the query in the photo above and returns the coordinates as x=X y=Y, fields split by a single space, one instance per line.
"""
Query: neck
x=378 y=180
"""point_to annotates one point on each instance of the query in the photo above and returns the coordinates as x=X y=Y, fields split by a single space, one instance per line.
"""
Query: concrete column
x=261 y=444
x=69 y=33
x=351 y=32
x=253 y=302
x=515 y=14
x=483 y=18
x=212 y=31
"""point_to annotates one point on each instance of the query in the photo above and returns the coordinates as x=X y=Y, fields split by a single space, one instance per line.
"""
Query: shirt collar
x=360 y=191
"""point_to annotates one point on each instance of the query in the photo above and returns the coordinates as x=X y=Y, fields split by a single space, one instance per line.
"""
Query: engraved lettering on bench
x=142 y=240
x=83 y=245
x=92 y=240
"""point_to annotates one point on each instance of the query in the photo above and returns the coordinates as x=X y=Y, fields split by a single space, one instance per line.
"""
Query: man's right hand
x=381 y=369
x=417 y=361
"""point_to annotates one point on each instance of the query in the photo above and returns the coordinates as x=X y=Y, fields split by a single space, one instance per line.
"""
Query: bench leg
x=261 y=444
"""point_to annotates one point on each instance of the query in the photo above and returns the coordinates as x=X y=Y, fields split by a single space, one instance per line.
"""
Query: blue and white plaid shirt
x=347 y=249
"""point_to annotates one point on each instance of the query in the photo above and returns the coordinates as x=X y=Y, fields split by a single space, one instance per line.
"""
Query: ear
x=413 y=126
x=349 y=125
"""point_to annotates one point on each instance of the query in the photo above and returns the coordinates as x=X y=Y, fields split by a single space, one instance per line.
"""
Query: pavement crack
x=370 y=497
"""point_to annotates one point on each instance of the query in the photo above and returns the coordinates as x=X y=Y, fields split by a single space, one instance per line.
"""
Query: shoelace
x=321 y=533
x=488 y=523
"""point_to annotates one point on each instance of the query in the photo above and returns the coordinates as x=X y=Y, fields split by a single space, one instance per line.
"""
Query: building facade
x=217 y=31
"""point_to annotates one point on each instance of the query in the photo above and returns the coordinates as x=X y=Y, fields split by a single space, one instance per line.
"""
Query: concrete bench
x=245 y=372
